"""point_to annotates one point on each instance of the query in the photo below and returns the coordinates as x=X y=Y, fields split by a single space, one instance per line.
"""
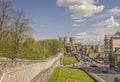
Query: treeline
x=15 y=36
x=41 y=49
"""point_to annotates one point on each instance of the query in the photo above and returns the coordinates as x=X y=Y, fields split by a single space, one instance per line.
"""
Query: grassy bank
x=69 y=60
x=63 y=74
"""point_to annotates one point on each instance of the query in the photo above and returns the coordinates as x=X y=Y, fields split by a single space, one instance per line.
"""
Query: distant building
x=107 y=47
x=115 y=42
x=60 y=39
x=117 y=56
x=100 y=50
x=72 y=40
x=70 y=45
x=65 y=41
x=111 y=45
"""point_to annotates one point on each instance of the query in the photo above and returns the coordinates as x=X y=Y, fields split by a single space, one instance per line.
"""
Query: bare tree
x=14 y=28
x=21 y=28
x=5 y=9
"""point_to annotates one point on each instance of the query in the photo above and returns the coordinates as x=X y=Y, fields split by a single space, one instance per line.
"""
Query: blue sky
x=87 y=20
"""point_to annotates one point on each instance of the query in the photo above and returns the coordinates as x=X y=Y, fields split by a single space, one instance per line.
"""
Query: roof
x=117 y=33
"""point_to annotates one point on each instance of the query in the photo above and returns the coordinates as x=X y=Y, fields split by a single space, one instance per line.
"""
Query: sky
x=86 y=20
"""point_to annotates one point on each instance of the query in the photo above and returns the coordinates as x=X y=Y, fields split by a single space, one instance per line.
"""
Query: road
x=108 y=77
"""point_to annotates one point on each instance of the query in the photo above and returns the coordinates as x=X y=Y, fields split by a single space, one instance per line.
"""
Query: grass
x=69 y=60
x=62 y=74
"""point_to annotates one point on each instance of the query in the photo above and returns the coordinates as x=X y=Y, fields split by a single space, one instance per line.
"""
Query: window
x=116 y=37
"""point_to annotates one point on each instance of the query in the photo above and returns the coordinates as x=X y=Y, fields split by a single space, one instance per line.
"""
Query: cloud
x=79 y=20
x=114 y=11
x=111 y=12
x=108 y=26
x=83 y=10
x=80 y=9
x=76 y=25
x=82 y=35
x=84 y=38
x=109 y=23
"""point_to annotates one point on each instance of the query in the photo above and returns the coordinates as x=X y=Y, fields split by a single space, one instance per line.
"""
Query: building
x=72 y=40
x=111 y=45
x=65 y=41
x=100 y=50
x=117 y=56
x=107 y=45
x=69 y=44
x=60 y=39
x=115 y=42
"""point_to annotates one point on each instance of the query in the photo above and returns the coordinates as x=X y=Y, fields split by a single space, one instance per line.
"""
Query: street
x=108 y=77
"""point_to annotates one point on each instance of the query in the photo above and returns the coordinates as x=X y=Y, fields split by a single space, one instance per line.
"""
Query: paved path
x=108 y=77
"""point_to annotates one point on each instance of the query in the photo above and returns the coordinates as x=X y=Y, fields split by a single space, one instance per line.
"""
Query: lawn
x=69 y=60
x=62 y=74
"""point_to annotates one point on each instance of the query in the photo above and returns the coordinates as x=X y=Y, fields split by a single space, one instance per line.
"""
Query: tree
x=29 y=42
x=21 y=30
x=14 y=29
x=53 y=46
x=5 y=11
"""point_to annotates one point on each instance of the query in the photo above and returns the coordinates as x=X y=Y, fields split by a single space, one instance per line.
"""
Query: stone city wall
x=34 y=72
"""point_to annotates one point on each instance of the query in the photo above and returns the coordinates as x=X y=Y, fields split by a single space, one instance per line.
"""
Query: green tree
x=15 y=36
x=29 y=42
x=21 y=29
x=5 y=11
x=54 y=46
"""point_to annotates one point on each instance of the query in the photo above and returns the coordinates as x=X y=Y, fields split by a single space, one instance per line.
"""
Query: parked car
x=104 y=70
x=117 y=79
x=93 y=65
x=111 y=66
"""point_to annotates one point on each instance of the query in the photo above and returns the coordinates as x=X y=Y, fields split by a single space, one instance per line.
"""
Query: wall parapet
x=30 y=73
